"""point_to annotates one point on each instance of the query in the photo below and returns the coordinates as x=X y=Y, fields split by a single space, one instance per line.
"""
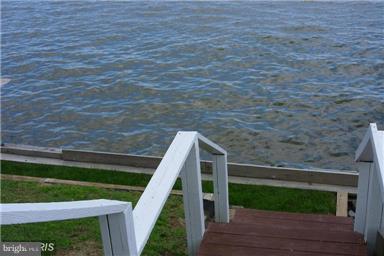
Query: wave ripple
x=288 y=83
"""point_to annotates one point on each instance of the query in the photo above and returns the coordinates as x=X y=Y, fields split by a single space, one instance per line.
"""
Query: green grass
x=81 y=237
x=249 y=196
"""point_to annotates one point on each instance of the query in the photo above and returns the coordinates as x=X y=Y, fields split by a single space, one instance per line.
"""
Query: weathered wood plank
x=286 y=244
x=234 y=250
x=291 y=174
x=111 y=158
x=281 y=233
x=293 y=223
x=34 y=151
x=86 y=165
x=149 y=171
x=296 y=232
x=303 y=217
x=290 y=223
x=342 y=204
x=330 y=177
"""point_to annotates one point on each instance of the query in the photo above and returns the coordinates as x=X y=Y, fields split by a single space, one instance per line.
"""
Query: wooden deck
x=254 y=232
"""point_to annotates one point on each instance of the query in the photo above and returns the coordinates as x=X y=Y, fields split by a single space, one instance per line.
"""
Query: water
x=277 y=83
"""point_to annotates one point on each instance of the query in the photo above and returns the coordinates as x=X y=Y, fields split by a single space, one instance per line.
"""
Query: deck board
x=244 y=213
x=282 y=232
x=254 y=232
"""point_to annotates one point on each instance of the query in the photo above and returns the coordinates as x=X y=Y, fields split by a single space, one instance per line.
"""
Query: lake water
x=277 y=83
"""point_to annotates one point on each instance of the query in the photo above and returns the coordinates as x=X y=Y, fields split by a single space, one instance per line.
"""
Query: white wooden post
x=374 y=212
x=105 y=237
x=382 y=220
x=118 y=233
x=220 y=188
x=193 y=200
x=365 y=170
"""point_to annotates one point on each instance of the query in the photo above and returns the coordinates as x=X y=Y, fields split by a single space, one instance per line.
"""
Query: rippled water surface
x=290 y=84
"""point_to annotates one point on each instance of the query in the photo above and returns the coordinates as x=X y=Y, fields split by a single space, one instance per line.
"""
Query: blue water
x=278 y=83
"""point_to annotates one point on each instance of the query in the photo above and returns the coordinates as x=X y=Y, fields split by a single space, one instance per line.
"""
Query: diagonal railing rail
x=182 y=158
x=369 y=218
x=125 y=231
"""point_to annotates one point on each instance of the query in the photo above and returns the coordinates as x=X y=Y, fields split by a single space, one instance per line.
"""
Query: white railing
x=112 y=215
x=369 y=218
x=125 y=231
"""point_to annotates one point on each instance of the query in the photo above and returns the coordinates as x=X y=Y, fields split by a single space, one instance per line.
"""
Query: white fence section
x=115 y=216
x=125 y=231
x=370 y=196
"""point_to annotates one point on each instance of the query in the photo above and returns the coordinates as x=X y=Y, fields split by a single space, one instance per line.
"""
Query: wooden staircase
x=266 y=233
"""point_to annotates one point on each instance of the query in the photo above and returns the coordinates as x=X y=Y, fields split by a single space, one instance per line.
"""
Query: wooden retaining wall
x=327 y=180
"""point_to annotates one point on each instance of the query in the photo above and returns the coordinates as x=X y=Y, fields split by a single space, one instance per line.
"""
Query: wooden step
x=254 y=232
x=294 y=232
x=286 y=244
x=225 y=250
x=244 y=213
x=290 y=220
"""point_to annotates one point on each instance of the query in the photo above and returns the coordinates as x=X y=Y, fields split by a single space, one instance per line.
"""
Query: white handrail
x=41 y=212
x=115 y=217
x=210 y=146
x=370 y=196
x=371 y=149
x=125 y=231
x=157 y=191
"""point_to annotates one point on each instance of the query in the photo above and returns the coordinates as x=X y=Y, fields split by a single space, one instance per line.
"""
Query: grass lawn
x=82 y=237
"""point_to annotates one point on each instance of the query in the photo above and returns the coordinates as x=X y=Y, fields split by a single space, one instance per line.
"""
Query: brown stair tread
x=289 y=220
x=244 y=213
x=286 y=244
x=231 y=250
x=294 y=232
x=254 y=232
